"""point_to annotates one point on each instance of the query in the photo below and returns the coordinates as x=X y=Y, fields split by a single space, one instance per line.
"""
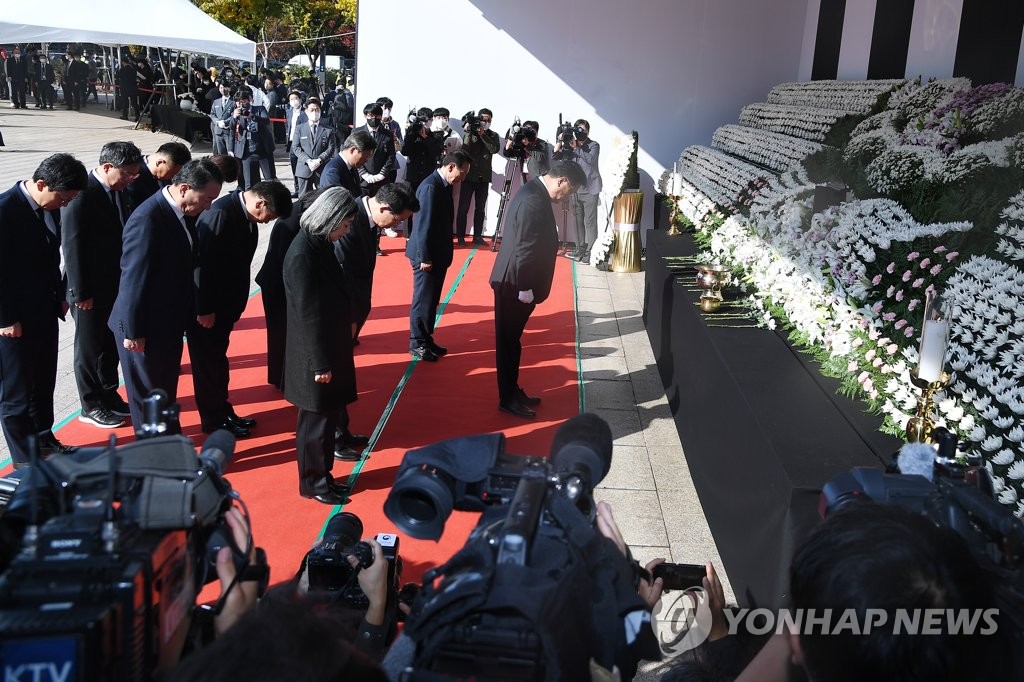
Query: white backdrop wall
x=673 y=70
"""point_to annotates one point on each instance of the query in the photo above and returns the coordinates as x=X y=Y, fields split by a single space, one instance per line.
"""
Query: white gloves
x=222 y=124
x=370 y=179
x=526 y=296
x=313 y=164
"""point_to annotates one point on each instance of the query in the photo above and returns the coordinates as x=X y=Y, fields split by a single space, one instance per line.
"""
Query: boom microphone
x=583 y=445
x=917 y=458
x=217 y=450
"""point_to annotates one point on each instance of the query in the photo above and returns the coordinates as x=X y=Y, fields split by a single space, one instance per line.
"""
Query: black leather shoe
x=21 y=465
x=380 y=253
x=462 y=242
x=355 y=440
x=528 y=400
x=118 y=406
x=231 y=427
x=424 y=353
x=439 y=351
x=479 y=241
x=329 y=497
x=344 y=453
x=516 y=409
x=49 y=445
x=244 y=422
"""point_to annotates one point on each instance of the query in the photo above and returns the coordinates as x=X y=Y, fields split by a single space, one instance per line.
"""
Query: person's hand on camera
x=650 y=590
x=242 y=598
x=607 y=527
x=373 y=581
x=716 y=602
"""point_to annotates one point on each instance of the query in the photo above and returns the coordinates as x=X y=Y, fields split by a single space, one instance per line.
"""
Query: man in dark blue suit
x=430 y=252
x=228 y=235
x=343 y=168
x=157 y=171
x=31 y=301
x=155 y=300
x=92 y=228
x=17 y=71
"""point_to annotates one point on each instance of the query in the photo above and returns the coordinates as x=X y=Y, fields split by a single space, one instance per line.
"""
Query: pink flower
x=951 y=255
x=877 y=362
x=900 y=324
x=869 y=355
x=890 y=291
x=925 y=262
x=907 y=275
x=912 y=255
x=877 y=308
x=889 y=317
x=913 y=304
x=899 y=295
x=862 y=376
x=890 y=268
x=873 y=334
x=908 y=332
x=858 y=342
x=918 y=282
x=852 y=367
x=891 y=349
x=876 y=280
x=938 y=249
x=936 y=269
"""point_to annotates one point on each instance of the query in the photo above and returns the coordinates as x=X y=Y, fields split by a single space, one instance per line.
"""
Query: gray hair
x=361 y=140
x=328 y=212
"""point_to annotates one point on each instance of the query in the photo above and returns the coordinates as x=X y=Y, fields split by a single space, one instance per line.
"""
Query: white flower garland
x=772 y=150
x=809 y=123
x=720 y=177
x=856 y=97
x=622 y=149
x=1011 y=246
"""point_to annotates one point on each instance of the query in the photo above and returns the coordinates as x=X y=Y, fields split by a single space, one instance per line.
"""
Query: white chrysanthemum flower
x=1003 y=458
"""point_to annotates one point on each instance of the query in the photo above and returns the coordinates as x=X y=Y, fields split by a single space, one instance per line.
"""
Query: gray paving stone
x=638 y=515
x=630 y=469
x=608 y=394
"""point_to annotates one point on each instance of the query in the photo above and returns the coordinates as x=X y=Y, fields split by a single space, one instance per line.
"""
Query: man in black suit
x=92 y=228
x=31 y=301
x=17 y=71
x=156 y=172
x=220 y=118
x=127 y=88
x=313 y=146
x=522 y=274
x=430 y=252
x=155 y=302
x=252 y=140
x=343 y=169
x=294 y=114
x=380 y=168
x=228 y=235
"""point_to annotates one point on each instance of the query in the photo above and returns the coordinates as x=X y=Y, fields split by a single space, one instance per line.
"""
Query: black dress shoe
x=231 y=427
x=380 y=253
x=49 y=445
x=329 y=497
x=339 y=488
x=424 y=353
x=479 y=241
x=344 y=453
x=516 y=409
x=244 y=422
x=118 y=406
x=355 y=440
x=462 y=242
x=439 y=351
x=528 y=400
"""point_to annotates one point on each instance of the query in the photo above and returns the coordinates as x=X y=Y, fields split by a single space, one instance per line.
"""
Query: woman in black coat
x=320 y=374
x=271 y=281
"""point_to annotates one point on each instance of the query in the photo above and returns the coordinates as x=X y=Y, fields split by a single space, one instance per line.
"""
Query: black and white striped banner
x=980 y=39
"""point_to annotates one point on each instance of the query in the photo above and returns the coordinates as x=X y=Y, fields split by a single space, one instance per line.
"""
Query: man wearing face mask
x=480 y=143
x=17 y=71
x=294 y=115
x=220 y=118
x=380 y=169
x=313 y=145
x=45 y=78
x=440 y=129
x=585 y=152
x=253 y=141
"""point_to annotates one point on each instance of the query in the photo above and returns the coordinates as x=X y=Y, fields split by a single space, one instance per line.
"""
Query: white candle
x=934 y=338
x=675 y=169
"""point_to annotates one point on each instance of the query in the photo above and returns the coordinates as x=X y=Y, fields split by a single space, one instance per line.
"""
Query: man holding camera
x=252 y=140
x=522 y=275
x=576 y=145
x=523 y=144
x=480 y=142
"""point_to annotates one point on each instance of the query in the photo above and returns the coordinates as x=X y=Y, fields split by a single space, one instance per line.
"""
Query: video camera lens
x=344 y=529
x=421 y=500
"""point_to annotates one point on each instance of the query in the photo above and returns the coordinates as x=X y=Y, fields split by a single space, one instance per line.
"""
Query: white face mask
x=485 y=125
x=386 y=116
x=438 y=124
x=295 y=103
x=313 y=116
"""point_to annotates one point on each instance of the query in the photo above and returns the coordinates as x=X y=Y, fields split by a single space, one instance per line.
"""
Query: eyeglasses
x=66 y=197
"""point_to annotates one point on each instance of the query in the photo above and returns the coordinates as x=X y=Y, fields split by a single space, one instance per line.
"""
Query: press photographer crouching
x=112 y=545
x=522 y=142
x=541 y=590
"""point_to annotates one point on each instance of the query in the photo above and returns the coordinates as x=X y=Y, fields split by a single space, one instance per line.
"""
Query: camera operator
x=576 y=145
x=480 y=142
x=525 y=145
x=421 y=147
x=252 y=140
x=440 y=128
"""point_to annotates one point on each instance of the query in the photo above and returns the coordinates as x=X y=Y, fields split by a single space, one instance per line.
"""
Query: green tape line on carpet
x=579 y=359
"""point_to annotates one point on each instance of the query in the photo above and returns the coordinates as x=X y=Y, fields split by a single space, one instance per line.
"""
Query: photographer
x=524 y=144
x=576 y=145
x=480 y=142
x=251 y=140
x=420 y=147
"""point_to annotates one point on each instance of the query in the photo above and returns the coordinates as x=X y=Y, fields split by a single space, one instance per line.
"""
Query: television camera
x=115 y=544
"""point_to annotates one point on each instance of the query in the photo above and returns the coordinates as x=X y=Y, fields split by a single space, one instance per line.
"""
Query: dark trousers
x=208 y=353
x=95 y=357
x=293 y=160
x=156 y=367
x=426 y=294
x=476 y=192
x=130 y=102
x=306 y=185
x=510 y=318
x=252 y=166
x=220 y=142
x=314 y=446
x=18 y=93
x=28 y=375
x=276 y=313
x=73 y=95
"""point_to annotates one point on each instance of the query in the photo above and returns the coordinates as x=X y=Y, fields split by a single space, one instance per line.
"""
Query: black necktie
x=190 y=225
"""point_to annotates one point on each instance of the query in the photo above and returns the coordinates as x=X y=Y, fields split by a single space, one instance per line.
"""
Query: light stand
x=511 y=165
x=929 y=376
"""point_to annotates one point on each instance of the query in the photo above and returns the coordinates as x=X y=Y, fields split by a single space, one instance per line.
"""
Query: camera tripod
x=511 y=166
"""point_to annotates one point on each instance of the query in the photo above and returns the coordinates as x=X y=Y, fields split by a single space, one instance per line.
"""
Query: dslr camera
x=329 y=571
x=471 y=122
x=522 y=138
x=417 y=121
x=115 y=544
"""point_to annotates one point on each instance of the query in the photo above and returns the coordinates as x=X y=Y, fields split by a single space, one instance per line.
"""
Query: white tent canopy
x=175 y=24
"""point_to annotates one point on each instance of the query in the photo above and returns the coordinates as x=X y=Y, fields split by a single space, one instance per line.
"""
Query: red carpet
x=454 y=397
